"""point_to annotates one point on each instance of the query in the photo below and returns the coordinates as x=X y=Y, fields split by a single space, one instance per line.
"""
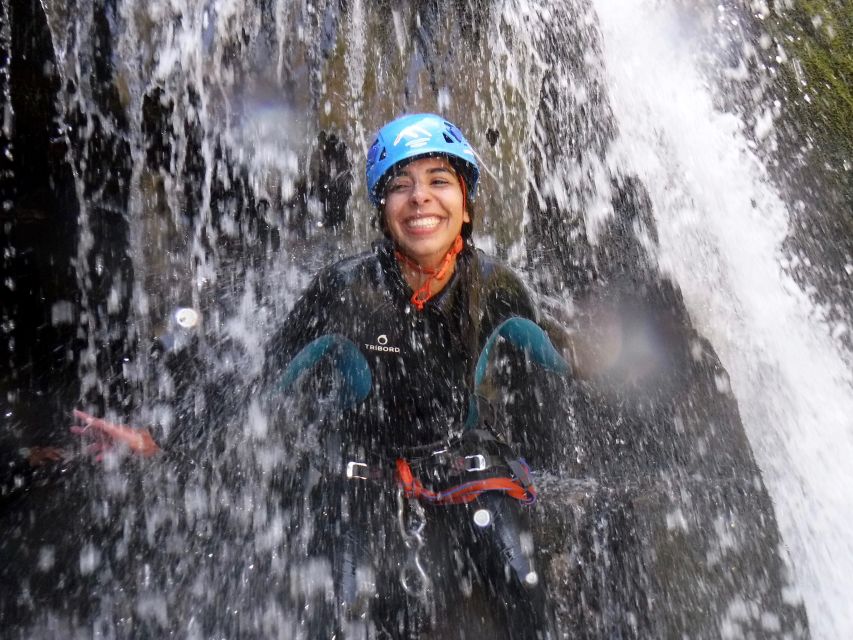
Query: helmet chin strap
x=420 y=297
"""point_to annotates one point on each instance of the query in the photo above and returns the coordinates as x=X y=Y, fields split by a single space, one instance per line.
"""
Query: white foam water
x=722 y=225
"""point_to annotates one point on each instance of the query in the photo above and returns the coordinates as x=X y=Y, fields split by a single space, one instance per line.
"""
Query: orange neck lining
x=420 y=297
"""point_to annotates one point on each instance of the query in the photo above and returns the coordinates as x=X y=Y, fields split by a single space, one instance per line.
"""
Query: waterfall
x=723 y=224
x=209 y=154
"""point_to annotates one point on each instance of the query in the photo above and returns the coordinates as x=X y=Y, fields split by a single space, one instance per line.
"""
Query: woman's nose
x=420 y=192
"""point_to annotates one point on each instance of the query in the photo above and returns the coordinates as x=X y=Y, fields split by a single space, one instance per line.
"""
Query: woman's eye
x=395 y=187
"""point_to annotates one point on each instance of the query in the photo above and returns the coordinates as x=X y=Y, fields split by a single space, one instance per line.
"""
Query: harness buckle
x=352 y=472
x=476 y=462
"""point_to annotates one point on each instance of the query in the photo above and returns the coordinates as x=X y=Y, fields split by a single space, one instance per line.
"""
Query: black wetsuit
x=422 y=365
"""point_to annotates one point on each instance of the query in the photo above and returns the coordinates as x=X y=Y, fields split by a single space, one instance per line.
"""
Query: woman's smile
x=423 y=223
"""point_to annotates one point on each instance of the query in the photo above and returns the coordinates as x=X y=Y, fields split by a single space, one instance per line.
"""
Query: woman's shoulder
x=502 y=289
x=496 y=271
x=348 y=270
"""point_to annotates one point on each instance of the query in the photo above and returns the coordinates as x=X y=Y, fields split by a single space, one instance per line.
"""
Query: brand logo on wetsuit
x=382 y=345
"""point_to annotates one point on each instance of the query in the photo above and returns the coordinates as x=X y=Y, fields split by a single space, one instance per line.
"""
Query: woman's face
x=425 y=209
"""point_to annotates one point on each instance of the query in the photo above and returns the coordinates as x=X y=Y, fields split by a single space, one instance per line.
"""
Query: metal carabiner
x=412 y=533
x=421 y=587
x=412 y=527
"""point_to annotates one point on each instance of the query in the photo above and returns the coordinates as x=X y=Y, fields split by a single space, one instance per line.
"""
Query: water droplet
x=90 y=558
x=482 y=517
x=722 y=382
x=186 y=318
x=47 y=558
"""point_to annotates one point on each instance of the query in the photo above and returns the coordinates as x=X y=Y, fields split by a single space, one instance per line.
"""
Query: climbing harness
x=519 y=486
x=453 y=473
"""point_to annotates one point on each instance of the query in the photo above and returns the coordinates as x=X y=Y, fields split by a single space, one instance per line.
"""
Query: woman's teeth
x=423 y=223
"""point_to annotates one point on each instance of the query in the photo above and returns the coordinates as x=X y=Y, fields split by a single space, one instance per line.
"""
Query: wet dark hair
x=378 y=220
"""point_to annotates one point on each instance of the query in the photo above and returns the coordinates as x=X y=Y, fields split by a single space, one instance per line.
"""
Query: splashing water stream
x=214 y=151
x=722 y=226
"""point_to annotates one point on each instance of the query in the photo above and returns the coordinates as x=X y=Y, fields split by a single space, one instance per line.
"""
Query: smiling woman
x=422 y=176
x=408 y=327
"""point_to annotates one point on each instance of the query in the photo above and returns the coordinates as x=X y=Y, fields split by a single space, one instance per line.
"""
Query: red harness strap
x=462 y=493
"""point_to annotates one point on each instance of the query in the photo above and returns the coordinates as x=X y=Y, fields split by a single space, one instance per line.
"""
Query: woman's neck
x=425 y=281
x=417 y=275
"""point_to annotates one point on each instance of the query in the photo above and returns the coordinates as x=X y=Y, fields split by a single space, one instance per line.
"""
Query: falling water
x=210 y=157
x=723 y=225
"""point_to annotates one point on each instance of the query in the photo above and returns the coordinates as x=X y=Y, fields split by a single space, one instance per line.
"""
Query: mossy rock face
x=818 y=37
x=814 y=159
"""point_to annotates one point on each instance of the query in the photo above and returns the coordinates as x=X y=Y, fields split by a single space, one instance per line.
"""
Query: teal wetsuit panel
x=348 y=363
x=525 y=335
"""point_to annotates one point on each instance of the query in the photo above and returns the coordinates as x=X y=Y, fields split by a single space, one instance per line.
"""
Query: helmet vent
x=454 y=131
x=384 y=154
x=448 y=139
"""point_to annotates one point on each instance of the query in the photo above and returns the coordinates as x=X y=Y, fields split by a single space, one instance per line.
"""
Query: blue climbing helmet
x=413 y=136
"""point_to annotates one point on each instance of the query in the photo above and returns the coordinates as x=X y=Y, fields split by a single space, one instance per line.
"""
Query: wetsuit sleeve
x=507 y=296
x=561 y=337
x=308 y=320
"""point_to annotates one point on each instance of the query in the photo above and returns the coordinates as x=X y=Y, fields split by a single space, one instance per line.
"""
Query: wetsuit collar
x=397 y=282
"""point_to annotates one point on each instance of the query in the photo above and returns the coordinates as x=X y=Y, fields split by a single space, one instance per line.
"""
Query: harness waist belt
x=490 y=473
x=521 y=487
x=453 y=472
